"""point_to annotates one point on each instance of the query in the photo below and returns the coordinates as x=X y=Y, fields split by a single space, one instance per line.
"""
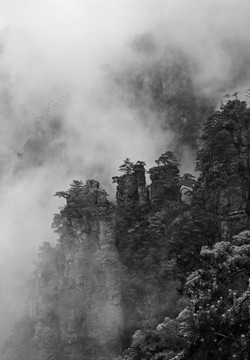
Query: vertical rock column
x=110 y=316
x=80 y=288
x=223 y=160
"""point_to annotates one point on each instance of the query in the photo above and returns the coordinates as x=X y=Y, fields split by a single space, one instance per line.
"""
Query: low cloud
x=63 y=116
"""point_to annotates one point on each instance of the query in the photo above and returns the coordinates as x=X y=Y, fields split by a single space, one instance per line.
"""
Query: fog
x=61 y=117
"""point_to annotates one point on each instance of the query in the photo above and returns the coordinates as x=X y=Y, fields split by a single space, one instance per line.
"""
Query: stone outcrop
x=131 y=187
x=82 y=295
x=224 y=162
x=139 y=228
x=80 y=284
x=133 y=190
x=164 y=184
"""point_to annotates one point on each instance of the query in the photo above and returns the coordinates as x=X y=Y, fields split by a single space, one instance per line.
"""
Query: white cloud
x=53 y=58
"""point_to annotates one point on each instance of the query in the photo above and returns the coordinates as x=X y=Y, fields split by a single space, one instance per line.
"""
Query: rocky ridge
x=118 y=268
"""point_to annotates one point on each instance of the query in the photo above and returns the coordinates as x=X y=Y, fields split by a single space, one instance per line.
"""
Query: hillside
x=151 y=276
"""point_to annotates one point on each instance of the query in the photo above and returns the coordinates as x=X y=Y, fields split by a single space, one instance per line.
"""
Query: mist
x=62 y=117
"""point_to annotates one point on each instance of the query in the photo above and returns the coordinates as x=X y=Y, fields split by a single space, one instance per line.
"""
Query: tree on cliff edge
x=167 y=158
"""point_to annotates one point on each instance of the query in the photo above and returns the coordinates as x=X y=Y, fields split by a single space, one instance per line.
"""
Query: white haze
x=54 y=56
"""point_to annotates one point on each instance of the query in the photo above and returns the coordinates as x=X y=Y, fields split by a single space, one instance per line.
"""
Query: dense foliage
x=217 y=324
x=162 y=343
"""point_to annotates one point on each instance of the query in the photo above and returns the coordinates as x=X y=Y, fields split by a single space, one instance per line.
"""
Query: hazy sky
x=59 y=117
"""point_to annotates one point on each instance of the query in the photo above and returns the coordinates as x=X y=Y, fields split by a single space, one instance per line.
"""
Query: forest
x=163 y=273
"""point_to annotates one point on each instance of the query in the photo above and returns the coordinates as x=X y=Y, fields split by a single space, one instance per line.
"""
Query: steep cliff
x=77 y=307
x=143 y=215
x=110 y=271
x=119 y=268
x=210 y=243
x=223 y=159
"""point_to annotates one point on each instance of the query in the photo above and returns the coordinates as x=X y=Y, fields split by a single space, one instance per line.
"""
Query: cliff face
x=132 y=189
x=164 y=184
x=79 y=295
x=104 y=278
x=142 y=217
x=224 y=162
x=116 y=269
